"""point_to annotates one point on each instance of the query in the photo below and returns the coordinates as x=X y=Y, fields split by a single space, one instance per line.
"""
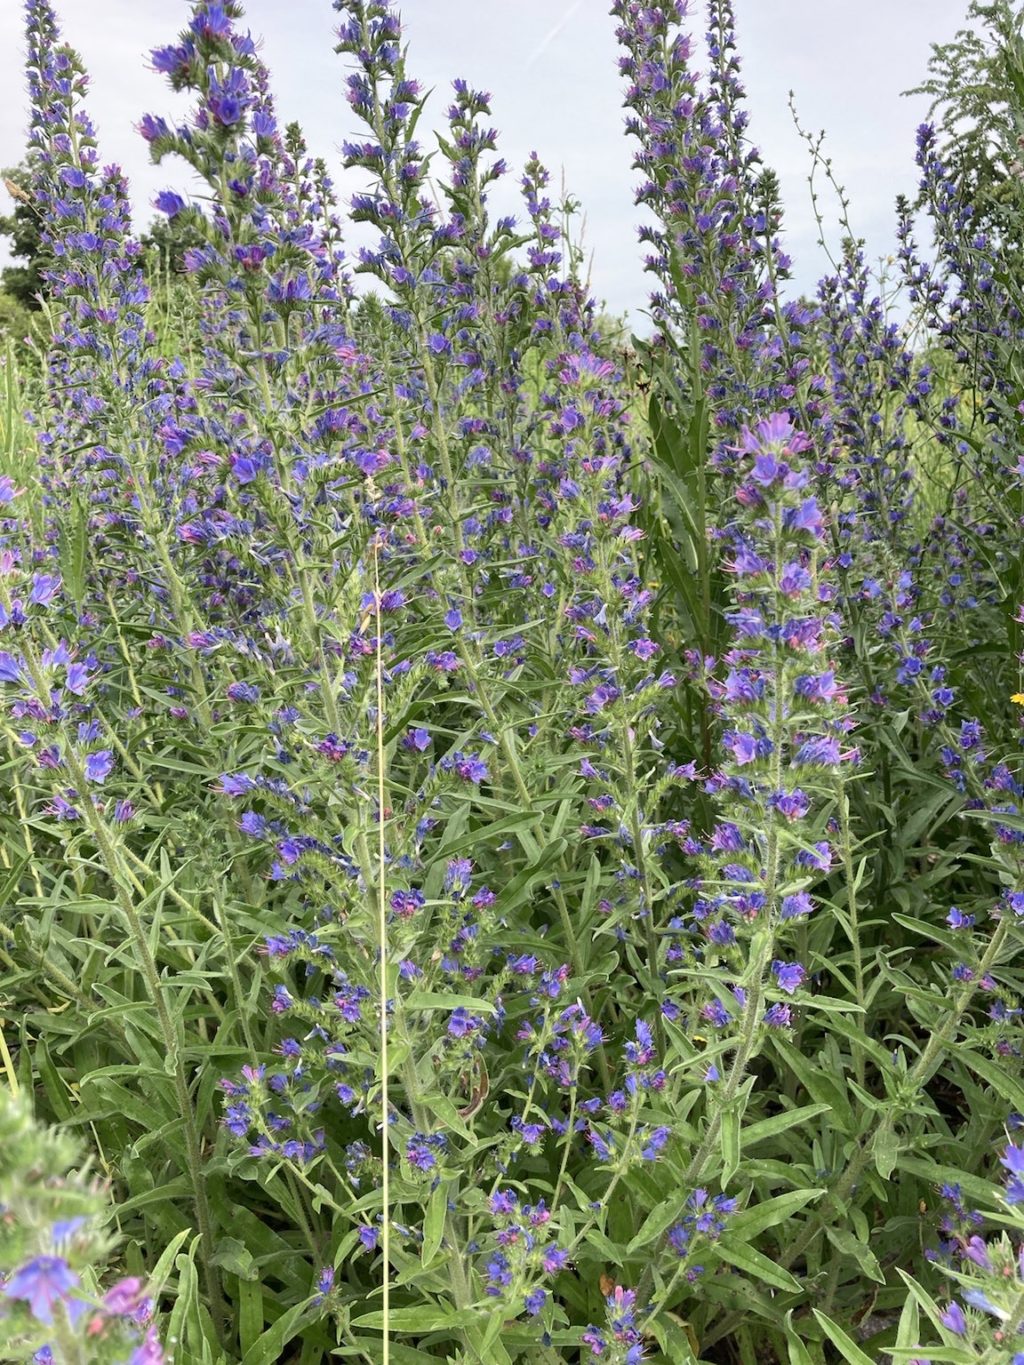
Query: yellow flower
x=1018 y=697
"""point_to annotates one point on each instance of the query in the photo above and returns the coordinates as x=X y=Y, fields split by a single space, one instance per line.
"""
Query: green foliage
x=24 y=282
x=976 y=85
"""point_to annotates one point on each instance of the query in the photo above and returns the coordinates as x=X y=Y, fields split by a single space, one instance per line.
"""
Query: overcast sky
x=551 y=67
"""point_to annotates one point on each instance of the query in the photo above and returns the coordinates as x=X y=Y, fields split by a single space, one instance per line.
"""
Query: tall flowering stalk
x=786 y=749
x=716 y=254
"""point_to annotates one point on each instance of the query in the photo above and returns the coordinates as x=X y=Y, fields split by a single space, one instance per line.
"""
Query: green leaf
x=1004 y=1084
x=73 y=545
x=849 y=1349
x=844 y=1240
x=435 y=1000
x=605 y=1246
x=732 y=1118
x=908 y=1333
x=823 y=1088
x=186 y=1300
x=798 y=1352
x=658 y=1222
x=234 y=1256
x=400 y=1353
x=781 y=1123
x=160 y=1273
x=673 y=1340
x=56 y=1090
x=754 y=1263
x=517 y=890
x=433 y=1223
x=982 y=1192
x=885 y=1150
x=250 y=1314
x=268 y=1349
x=430 y=1317
x=749 y=1223
x=477 y=838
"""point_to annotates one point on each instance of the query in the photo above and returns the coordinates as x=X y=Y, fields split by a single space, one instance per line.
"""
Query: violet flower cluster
x=785 y=734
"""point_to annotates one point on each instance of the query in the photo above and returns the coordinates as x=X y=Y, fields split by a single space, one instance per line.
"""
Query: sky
x=551 y=68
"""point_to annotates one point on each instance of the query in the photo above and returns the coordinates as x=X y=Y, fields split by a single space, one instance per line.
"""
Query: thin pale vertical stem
x=382 y=945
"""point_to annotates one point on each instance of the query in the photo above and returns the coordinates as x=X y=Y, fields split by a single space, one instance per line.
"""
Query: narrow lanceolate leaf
x=752 y=1221
x=756 y=1264
x=845 y=1345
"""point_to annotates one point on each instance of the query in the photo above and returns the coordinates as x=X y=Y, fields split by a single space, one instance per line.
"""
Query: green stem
x=851 y=907
x=569 y=1133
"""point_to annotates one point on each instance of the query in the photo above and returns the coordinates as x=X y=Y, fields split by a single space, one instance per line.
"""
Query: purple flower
x=457 y=876
x=766 y=469
x=419 y=1151
x=956 y=919
x=975 y=1250
x=243 y=691
x=953 y=1318
x=406 y=903
x=235 y=784
x=168 y=202
x=789 y=975
x=253 y=824
x=444 y=661
x=324 y=1283
x=656 y=1140
x=45 y=587
x=976 y=1298
x=471 y=768
x=228 y=98
x=806 y=517
x=66 y=1228
x=504 y=1202
x=744 y=748
x=125 y=1297
x=461 y=1022
x=77 y=679
x=799 y=903
x=150 y=1352
x=794 y=580
x=793 y=805
x=42 y=1283
x=822 y=751
x=99 y=765
x=535 y=1301
x=1013 y=1160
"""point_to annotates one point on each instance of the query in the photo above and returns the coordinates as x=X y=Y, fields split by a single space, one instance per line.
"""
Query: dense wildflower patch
x=511 y=842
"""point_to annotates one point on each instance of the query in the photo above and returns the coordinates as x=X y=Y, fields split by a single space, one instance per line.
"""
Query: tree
x=26 y=282
x=166 y=240
x=976 y=84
